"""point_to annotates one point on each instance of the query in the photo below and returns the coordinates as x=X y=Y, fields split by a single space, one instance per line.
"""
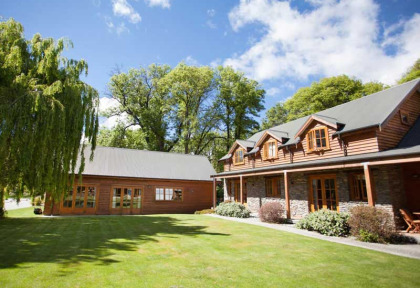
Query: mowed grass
x=183 y=251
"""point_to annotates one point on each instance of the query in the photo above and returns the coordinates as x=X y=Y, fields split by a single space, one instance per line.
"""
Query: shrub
x=326 y=222
x=371 y=224
x=232 y=209
x=205 y=211
x=37 y=201
x=271 y=212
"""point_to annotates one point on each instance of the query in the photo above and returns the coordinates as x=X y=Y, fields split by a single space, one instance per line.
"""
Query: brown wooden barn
x=127 y=181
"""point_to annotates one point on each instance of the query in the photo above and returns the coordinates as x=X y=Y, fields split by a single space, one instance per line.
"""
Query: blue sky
x=283 y=44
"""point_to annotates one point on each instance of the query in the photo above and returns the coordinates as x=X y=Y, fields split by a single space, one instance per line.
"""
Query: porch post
x=241 y=189
x=214 y=193
x=369 y=187
x=286 y=194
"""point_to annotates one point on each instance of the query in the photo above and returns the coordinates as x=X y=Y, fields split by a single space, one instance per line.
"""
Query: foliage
x=412 y=73
x=205 y=211
x=371 y=224
x=122 y=137
x=272 y=212
x=326 y=222
x=37 y=201
x=326 y=93
x=240 y=100
x=44 y=110
x=232 y=209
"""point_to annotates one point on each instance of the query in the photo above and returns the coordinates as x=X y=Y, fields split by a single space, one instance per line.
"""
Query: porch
x=388 y=184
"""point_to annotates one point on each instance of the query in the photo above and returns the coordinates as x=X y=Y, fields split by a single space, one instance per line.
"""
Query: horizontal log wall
x=197 y=195
x=392 y=133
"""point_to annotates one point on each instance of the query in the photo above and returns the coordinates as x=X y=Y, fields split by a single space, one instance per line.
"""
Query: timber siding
x=197 y=195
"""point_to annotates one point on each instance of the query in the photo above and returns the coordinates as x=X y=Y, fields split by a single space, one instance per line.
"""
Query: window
x=318 y=139
x=68 y=199
x=239 y=157
x=273 y=187
x=168 y=194
x=91 y=197
x=405 y=119
x=126 y=198
x=358 y=191
x=80 y=197
x=137 y=198
x=270 y=149
x=159 y=194
x=116 y=198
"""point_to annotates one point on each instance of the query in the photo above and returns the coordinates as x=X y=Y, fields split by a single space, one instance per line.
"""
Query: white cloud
x=161 y=3
x=191 y=61
x=211 y=24
x=335 y=37
x=211 y=12
x=272 y=91
x=106 y=103
x=124 y=9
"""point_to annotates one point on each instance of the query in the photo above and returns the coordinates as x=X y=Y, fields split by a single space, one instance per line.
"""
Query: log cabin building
x=127 y=181
x=364 y=152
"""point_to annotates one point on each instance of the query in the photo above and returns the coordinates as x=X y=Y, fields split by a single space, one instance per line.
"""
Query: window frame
x=173 y=188
x=354 y=187
x=235 y=162
x=266 y=149
x=311 y=139
x=404 y=113
x=130 y=208
x=85 y=208
x=275 y=187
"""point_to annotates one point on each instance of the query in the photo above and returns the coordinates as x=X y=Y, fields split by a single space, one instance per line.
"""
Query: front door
x=81 y=199
x=237 y=188
x=323 y=192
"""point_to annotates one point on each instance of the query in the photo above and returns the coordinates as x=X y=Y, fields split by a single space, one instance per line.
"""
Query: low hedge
x=326 y=222
x=205 y=211
x=272 y=212
x=232 y=209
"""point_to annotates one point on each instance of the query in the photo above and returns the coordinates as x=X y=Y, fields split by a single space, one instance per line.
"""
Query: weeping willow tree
x=45 y=109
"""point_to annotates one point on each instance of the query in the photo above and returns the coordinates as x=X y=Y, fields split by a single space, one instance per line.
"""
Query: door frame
x=119 y=211
x=322 y=177
x=84 y=210
x=238 y=192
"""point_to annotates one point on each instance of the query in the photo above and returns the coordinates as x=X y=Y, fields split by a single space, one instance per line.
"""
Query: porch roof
x=398 y=153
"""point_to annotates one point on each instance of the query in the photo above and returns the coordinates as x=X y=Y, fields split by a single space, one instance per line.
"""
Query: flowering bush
x=271 y=212
x=326 y=222
x=232 y=209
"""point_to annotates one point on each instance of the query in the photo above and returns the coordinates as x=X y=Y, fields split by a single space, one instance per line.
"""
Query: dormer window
x=317 y=139
x=239 y=157
x=270 y=149
x=405 y=119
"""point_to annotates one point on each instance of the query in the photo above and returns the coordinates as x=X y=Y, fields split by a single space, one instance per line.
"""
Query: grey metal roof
x=227 y=156
x=412 y=137
x=368 y=111
x=398 y=152
x=120 y=162
x=246 y=143
x=279 y=134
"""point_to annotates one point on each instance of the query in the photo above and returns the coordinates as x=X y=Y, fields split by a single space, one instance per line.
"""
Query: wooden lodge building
x=366 y=151
x=127 y=181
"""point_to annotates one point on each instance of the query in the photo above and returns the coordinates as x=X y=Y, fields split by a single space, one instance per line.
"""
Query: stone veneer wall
x=388 y=183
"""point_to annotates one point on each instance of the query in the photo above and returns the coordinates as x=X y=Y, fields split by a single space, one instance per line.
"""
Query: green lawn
x=183 y=251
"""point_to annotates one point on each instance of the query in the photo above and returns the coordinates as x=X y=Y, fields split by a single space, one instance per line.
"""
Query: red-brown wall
x=197 y=195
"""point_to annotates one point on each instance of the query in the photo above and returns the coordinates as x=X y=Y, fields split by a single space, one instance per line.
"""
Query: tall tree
x=326 y=93
x=142 y=97
x=240 y=100
x=44 y=110
x=190 y=88
x=412 y=73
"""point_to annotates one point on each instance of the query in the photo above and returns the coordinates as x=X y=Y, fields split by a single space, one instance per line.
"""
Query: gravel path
x=405 y=250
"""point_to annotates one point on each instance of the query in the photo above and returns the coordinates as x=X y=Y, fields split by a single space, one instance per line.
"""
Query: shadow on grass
x=70 y=241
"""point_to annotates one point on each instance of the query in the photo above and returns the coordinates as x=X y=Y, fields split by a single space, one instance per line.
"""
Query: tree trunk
x=2 y=202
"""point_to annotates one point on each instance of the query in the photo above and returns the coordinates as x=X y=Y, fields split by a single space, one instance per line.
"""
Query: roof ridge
x=151 y=151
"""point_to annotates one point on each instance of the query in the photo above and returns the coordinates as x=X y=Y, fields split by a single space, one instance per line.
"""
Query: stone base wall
x=388 y=183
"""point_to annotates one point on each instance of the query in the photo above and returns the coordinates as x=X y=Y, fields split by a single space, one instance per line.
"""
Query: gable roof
x=329 y=121
x=243 y=143
x=121 y=162
x=368 y=111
